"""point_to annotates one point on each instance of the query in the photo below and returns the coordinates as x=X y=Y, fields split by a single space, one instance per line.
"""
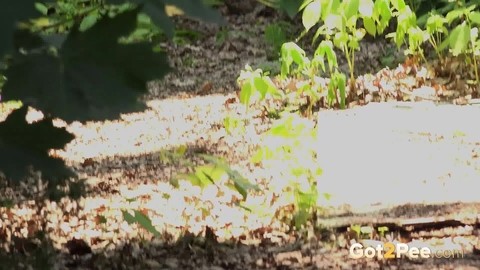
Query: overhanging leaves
x=92 y=78
x=23 y=145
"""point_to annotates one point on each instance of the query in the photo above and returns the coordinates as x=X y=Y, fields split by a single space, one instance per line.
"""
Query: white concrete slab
x=389 y=154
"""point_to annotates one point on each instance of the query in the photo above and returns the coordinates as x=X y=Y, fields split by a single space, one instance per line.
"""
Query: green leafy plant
x=255 y=84
x=287 y=142
x=340 y=23
x=217 y=170
x=457 y=32
x=234 y=124
x=382 y=230
x=464 y=37
x=295 y=62
x=437 y=32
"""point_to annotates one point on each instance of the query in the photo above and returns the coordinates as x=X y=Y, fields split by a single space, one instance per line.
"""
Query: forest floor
x=408 y=166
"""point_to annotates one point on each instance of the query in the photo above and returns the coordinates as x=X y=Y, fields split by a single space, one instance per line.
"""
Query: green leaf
x=286 y=129
x=351 y=8
x=370 y=26
x=305 y=200
x=41 y=8
x=330 y=7
x=297 y=53
x=145 y=222
x=311 y=14
x=459 y=39
x=325 y=48
x=20 y=149
x=246 y=93
x=454 y=14
x=292 y=53
x=261 y=86
x=382 y=10
x=475 y=17
x=241 y=184
x=435 y=23
x=340 y=40
x=129 y=218
x=11 y=14
x=141 y=219
x=206 y=175
x=93 y=78
x=300 y=218
x=88 y=21
x=398 y=4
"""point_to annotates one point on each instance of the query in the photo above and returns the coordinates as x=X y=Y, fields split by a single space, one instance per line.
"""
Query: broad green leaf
x=326 y=49
x=370 y=26
x=297 y=53
x=246 y=93
x=311 y=14
x=340 y=40
x=145 y=222
x=41 y=8
x=454 y=14
x=12 y=13
x=141 y=219
x=435 y=23
x=93 y=78
x=206 y=175
x=290 y=53
x=382 y=10
x=129 y=218
x=330 y=7
x=475 y=17
x=285 y=129
x=459 y=39
x=306 y=199
x=398 y=4
x=20 y=149
x=241 y=184
x=300 y=218
x=88 y=21
x=351 y=8
x=261 y=86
